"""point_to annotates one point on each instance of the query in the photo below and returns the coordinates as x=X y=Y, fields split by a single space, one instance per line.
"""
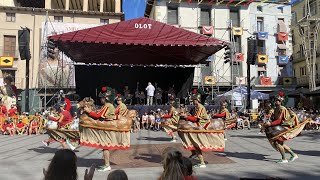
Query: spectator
x=158 y=120
x=150 y=93
x=63 y=166
x=188 y=169
x=20 y=127
x=3 y=109
x=117 y=175
x=13 y=111
x=151 y=120
x=172 y=165
x=145 y=120
x=34 y=126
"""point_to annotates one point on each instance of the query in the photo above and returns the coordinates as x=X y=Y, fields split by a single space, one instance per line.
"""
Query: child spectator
x=158 y=120
x=152 y=120
x=33 y=126
x=117 y=175
x=20 y=127
x=145 y=120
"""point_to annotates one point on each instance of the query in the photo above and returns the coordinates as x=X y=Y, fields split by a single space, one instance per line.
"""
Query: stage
x=145 y=108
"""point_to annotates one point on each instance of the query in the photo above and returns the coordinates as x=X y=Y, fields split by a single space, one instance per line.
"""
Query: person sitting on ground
x=8 y=128
x=20 y=127
x=33 y=126
x=63 y=166
x=117 y=175
x=151 y=120
x=136 y=123
x=145 y=120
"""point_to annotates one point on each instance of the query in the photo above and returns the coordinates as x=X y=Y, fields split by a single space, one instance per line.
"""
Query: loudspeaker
x=252 y=51
x=24 y=41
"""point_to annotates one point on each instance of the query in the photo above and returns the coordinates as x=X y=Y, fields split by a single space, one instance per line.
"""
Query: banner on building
x=59 y=71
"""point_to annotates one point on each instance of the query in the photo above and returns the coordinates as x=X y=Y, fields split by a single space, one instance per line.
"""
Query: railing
x=298 y=57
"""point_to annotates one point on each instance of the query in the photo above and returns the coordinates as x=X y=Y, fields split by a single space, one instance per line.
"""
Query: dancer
x=283 y=119
x=63 y=132
x=121 y=109
x=224 y=112
x=107 y=138
x=171 y=121
x=201 y=133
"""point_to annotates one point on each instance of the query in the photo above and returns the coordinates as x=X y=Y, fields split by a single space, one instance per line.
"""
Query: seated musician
x=121 y=109
x=8 y=128
x=224 y=112
x=107 y=112
x=12 y=111
x=3 y=109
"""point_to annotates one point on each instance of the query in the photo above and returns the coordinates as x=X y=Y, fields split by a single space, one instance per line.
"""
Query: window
x=10 y=17
x=313 y=7
x=104 y=21
x=172 y=15
x=301 y=51
x=260 y=26
x=281 y=52
x=261 y=47
x=303 y=71
x=259 y=8
x=235 y=17
x=205 y=17
x=58 y=18
x=280 y=10
x=294 y=18
x=237 y=42
x=9 y=48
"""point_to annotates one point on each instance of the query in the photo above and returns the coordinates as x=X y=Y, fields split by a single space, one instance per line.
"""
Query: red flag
x=230 y=1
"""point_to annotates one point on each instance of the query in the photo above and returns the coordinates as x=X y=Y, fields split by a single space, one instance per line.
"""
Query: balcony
x=298 y=57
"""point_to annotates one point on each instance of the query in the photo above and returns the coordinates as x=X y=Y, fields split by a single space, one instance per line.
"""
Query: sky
x=133 y=8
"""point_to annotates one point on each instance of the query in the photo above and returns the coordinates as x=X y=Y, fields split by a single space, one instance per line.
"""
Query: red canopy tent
x=137 y=41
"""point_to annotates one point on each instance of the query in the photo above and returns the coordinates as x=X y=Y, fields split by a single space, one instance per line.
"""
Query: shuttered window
x=9 y=47
x=205 y=17
x=172 y=15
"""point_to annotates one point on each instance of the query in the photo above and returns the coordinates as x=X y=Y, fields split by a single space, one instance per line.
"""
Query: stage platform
x=145 y=108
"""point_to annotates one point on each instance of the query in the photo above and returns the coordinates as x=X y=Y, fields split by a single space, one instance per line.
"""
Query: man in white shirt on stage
x=150 y=93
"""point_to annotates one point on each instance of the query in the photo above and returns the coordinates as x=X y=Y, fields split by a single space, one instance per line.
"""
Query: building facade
x=234 y=22
x=299 y=60
x=15 y=14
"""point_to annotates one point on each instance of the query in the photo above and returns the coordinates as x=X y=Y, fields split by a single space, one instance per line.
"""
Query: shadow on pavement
x=244 y=155
x=308 y=153
x=250 y=136
x=154 y=138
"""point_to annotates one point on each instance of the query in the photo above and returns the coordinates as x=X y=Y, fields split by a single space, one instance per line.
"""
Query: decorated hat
x=280 y=98
x=118 y=97
x=104 y=93
x=224 y=104
x=196 y=97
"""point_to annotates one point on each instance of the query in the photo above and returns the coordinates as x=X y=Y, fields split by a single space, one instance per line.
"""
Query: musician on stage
x=127 y=95
x=282 y=117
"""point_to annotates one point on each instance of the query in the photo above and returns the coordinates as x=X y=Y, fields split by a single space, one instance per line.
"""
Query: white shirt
x=150 y=90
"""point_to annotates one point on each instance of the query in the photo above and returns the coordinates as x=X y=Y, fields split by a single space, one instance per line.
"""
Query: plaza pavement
x=23 y=157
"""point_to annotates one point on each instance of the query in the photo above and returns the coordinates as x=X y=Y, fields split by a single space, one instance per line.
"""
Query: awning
x=282 y=46
x=137 y=41
x=282 y=26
